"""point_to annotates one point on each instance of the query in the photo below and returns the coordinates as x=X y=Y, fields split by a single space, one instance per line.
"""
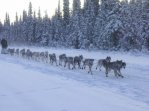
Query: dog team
x=71 y=62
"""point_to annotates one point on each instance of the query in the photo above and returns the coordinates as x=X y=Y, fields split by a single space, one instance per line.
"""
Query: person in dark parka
x=4 y=45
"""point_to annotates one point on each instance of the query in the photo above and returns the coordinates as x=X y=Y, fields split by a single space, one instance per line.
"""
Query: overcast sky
x=13 y=6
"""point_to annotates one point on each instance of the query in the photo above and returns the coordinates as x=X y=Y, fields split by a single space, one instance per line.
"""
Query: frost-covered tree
x=24 y=26
x=30 y=24
x=66 y=12
x=98 y=28
x=30 y=10
x=34 y=28
x=95 y=5
x=74 y=27
x=76 y=6
x=57 y=28
x=46 y=29
x=16 y=28
x=110 y=25
x=1 y=29
x=39 y=25
x=145 y=17
x=131 y=16
x=6 y=33
x=89 y=18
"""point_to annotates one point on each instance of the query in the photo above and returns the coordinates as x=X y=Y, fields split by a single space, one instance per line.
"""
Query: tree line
x=100 y=24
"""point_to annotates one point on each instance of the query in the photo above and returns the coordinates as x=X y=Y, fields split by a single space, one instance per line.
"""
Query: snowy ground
x=32 y=86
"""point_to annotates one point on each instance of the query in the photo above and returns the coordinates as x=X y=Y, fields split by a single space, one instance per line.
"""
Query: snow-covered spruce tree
x=131 y=13
x=1 y=29
x=24 y=27
x=74 y=27
x=46 y=30
x=145 y=17
x=99 y=25
x=34 y=27
x=89 y=19
x=136 y=37
x=66 y=22
x=66 y=12
x=110 y=26
x=95 y=5
x=83 y=27
x=6 y=31
x=56 y=28
x=15 y=29
x=137 y=25
x=20 y=31
x=30 y=25
x=39 y=30
x=76 y=6
x=125 y=18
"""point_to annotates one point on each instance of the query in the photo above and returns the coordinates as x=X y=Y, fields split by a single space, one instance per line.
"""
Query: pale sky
x=13 y=6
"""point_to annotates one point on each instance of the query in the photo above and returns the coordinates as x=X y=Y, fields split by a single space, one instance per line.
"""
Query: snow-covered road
x=31 y=86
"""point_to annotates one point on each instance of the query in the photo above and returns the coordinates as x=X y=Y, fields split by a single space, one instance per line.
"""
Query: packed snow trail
x=31 y=86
